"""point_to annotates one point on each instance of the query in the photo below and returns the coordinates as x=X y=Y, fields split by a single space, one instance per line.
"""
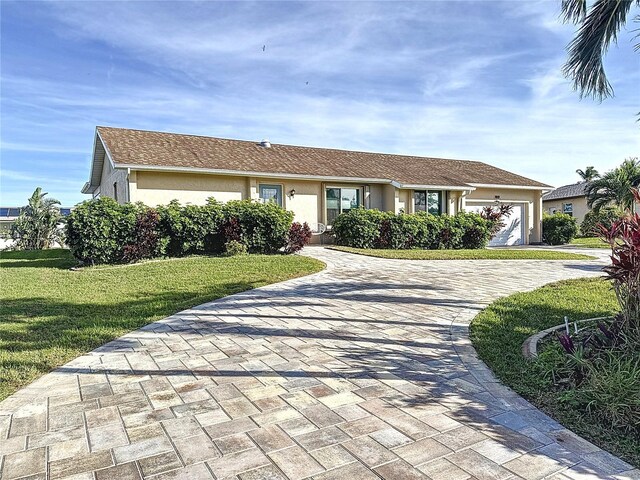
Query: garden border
x=530 y=345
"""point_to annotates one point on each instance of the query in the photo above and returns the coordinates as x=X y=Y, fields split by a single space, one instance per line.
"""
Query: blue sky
x=472 y=80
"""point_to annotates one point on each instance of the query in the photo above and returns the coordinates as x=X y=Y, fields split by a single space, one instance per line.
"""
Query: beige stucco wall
x=376 y=198
x=111 y=176
x=580 y=207
x=159 y=188
x=405 y=201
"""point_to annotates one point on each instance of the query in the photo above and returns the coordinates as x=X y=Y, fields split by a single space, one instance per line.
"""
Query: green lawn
x=485 y=254
x=50 y=315
x=589 y=242
x=499 y=331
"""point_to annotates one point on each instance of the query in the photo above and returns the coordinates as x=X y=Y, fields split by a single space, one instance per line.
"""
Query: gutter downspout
x=128 y=185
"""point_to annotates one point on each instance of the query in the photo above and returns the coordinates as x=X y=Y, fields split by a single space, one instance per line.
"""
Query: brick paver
x=364 y=370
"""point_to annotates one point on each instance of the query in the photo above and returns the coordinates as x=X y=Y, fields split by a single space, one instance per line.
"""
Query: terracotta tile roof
x=566 y=191
x=156 y=149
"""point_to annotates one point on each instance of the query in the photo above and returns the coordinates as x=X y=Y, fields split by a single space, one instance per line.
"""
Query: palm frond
x=573 y=11
x=586 y=51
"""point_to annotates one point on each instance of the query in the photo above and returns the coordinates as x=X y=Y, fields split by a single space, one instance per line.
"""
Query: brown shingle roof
x=139 y=148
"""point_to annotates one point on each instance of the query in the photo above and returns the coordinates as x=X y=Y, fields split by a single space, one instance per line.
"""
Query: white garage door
x=513 y=231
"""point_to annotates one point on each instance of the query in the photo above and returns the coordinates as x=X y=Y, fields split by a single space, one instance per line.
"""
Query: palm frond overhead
x=586 y=51
x=573 y=11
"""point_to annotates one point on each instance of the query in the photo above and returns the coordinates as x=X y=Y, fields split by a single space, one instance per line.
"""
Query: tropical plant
x=496 y=215
x=599 y=27
x=615 y=187
x=593 y=221
x=38 y=225
x=588 y=174
x=299 y=235
x=624 y=271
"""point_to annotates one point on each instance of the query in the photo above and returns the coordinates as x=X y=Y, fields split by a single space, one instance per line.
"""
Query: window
x=271 y=194
x=428 y=201
x=341 y=200
x=567 y=208
x=115 y=191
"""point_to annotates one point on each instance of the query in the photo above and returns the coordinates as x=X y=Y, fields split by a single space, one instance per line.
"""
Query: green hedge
x=103 y=231
x=361 y=228
x=558 y=229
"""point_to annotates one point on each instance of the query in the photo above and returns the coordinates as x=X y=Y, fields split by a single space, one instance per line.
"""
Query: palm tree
x=37 y=226
x=615 y=187
x=599 y=27
x=588 y=174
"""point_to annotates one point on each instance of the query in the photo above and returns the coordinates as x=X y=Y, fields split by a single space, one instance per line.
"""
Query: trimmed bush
x=234 y=247
x=476 y=230
x=103 y=231
x=399 y=232
x=98 y=230
x=361 y=228
x=558 y=229
x=263 y=227
x=191 y=229
x=590 y=226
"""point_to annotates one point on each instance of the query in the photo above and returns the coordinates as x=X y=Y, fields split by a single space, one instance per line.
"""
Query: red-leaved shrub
x=495 y=216
x=145 y=237
x=624 y=271
x=299 y=235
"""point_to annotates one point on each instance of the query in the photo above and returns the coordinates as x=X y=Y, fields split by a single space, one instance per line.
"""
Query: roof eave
x=325 y=178
x=243 y=173
x=97 y=163
x=461 y=188
x=511 y=186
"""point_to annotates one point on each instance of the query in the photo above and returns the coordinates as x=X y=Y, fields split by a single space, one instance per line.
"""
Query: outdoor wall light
x=292 y=193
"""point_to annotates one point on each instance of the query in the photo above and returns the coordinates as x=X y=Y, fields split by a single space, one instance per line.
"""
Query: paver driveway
x=362 y=371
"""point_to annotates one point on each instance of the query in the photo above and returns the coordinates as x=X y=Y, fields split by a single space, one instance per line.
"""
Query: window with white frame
x=567 y=208
x=340 y=200
x=430 y=201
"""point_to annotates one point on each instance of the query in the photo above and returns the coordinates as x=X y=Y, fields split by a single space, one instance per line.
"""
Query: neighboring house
x=569 y=199
x=316 y=184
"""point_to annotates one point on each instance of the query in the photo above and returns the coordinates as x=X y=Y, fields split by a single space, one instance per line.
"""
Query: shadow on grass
x=51 y=258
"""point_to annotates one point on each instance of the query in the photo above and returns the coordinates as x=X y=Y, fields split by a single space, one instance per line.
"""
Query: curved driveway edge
x=364 y=370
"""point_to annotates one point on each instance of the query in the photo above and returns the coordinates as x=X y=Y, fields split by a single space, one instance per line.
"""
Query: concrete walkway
x=364 y=370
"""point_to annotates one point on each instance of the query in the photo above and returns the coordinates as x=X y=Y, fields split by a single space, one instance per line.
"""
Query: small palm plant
x=588 y=174
x=38 y=225
x=615 y=187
